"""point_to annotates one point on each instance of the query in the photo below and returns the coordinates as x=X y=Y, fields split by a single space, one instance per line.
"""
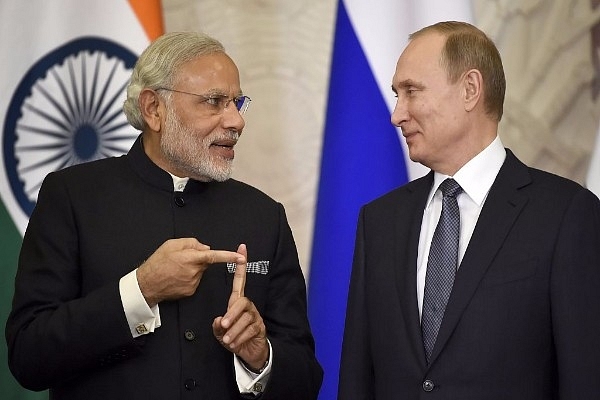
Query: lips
x=224 y=147
x=224 y=143
x=406 y=132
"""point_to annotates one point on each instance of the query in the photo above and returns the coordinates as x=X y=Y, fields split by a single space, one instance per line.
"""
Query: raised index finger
x=239 y=277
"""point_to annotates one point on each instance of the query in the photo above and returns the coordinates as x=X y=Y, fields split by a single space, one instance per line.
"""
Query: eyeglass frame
x=243 y=107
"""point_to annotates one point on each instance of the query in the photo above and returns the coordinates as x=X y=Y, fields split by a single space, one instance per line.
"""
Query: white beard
x=193 y=157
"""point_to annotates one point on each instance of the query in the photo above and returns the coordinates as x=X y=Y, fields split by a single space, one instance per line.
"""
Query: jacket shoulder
x=415 y=189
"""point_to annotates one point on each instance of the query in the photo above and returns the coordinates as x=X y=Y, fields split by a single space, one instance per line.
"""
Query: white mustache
x=227 y=136
x=231 y=134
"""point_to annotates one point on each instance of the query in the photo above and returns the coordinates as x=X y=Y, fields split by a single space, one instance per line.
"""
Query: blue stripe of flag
x=362 y=158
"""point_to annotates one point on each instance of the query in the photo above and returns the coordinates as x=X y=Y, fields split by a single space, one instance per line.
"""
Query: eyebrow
x=408 y=83
x=219 y=92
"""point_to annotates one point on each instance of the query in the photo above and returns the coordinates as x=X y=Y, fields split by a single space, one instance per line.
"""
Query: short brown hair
x=467 y=47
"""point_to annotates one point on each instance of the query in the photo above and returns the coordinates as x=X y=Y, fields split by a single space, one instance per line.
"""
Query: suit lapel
x=502 y=207
x=406 y=259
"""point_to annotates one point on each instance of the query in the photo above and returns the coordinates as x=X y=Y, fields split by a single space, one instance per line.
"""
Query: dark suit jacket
x=96 y=222
x=523 y=319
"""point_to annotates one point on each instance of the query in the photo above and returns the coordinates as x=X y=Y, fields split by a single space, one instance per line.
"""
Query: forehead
x=421 y=58
x=209 y=72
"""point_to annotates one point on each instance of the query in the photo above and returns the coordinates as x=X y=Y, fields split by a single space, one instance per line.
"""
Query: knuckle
x=249 y=318
x=254 y=330
x=211 y=259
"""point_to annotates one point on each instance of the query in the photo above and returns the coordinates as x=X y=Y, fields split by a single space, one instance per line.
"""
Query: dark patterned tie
x=441 y=266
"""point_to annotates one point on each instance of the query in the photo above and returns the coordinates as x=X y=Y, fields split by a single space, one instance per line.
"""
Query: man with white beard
x=154 y=275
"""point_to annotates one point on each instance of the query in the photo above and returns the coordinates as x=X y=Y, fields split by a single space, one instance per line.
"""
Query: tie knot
x=450 y=188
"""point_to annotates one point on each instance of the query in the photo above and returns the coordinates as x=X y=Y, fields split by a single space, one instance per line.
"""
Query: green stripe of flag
x=10 y=243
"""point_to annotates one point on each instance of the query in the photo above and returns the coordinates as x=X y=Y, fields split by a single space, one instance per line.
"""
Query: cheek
x=426 y=115
x=436 y=117
x=203 y=127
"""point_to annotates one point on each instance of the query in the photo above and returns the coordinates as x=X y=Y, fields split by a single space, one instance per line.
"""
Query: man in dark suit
x=503 y=303
x=154 y=275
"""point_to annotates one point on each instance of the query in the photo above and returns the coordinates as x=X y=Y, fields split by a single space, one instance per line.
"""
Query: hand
x=242 y=330
x=175 y=269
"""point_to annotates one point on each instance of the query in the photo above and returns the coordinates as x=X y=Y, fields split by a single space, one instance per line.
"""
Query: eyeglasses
x=218 y=103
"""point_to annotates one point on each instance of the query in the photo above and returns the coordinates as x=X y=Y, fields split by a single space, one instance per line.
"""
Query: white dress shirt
x=476 y=178
x=143 y=320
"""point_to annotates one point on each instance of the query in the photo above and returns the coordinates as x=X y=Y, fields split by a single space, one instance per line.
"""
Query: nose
x=400 y=113
x=232 y=119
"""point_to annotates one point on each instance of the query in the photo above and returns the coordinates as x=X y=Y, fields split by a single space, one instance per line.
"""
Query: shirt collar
x=476 y=176
x=179 y=183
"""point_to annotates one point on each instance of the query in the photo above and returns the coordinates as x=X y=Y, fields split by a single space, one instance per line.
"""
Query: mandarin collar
x=156 y=176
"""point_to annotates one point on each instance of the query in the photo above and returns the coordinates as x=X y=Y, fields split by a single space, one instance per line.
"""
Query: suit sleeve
x=576 y=299
x=54 y=332
x=295 y=374
x=356 y=370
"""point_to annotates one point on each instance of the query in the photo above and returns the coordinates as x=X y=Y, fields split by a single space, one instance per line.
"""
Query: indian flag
x=65 y=66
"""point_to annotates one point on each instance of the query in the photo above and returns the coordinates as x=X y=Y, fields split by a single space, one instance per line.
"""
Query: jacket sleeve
x=54 y=332
x=575 y=298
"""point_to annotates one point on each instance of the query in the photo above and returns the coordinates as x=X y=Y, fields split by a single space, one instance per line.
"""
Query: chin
x=221 y=178
x=413 y=155
x=216 y=169
x=222 y=172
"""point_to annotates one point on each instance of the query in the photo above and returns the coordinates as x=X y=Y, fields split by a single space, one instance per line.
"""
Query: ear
x=150 y=108
x=473 y=86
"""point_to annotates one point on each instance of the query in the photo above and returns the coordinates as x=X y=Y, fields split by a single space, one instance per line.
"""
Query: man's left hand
x=242 y=330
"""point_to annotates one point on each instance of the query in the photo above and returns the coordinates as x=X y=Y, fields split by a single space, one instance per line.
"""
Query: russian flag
x=363 y=154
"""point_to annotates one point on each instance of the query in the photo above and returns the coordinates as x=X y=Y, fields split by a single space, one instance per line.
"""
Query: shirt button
x=190 y=384
x=179 y=201
x=428 y=385
x=189 y=335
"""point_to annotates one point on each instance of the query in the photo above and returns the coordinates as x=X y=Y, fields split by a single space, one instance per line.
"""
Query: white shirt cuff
x=141 y=318
x=248 y=381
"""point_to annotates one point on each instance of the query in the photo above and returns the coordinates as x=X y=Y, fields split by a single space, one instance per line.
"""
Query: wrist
x=143 y=284
x=258 y=370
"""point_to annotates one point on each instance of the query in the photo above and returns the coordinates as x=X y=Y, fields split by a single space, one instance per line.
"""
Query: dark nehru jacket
x=96 y=222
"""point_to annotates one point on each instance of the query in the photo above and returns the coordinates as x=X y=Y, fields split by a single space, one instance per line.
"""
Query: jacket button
x=428 y=385
x=189 y=335
x=179 y=201
x=190 y=384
